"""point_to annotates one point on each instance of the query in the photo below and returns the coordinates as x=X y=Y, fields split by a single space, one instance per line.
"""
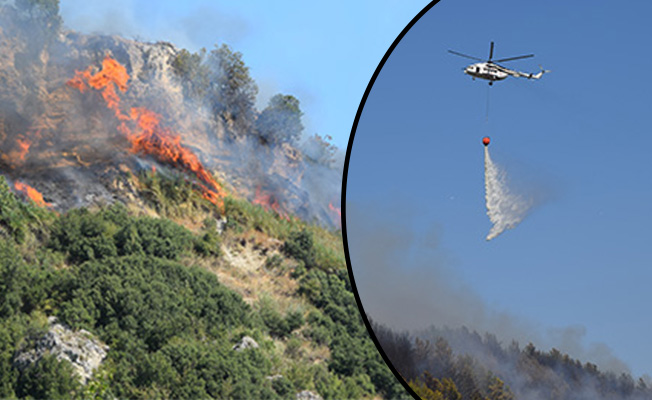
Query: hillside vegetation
x=149 y=288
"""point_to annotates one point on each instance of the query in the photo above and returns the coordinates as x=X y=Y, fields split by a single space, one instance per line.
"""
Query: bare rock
x=246 y=342
x=273 y=377
x=80 y=348
x=308 y=395
x=220 y=224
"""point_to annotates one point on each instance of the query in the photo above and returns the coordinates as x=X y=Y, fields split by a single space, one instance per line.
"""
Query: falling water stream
x=504 y=208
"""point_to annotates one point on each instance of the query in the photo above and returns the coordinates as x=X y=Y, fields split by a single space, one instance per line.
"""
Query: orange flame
x=32 y=193
x=111 y=76
x=79 y=80
x=147 y=137
x=150 y=138
x=337 y=211
x=23 y=144
x=16 y=155
x=268 y=201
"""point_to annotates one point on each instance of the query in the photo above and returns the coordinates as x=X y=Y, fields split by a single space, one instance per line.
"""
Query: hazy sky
x=577 y=271
x=324 y=53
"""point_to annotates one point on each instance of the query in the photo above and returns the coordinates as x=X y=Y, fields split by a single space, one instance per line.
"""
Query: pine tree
x=499 y=391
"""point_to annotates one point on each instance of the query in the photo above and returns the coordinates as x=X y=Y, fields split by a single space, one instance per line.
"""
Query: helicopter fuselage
x=486 y=70
x=491 y=71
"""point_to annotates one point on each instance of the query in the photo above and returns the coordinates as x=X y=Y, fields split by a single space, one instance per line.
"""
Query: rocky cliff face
x=69 y=144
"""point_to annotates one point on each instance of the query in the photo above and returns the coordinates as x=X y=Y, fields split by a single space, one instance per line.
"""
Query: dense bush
x=150 y=298
x=48 y=378
x=85 y=236
x=185 y=368
x=279 y=325
x=300 y=246
x=23 y=288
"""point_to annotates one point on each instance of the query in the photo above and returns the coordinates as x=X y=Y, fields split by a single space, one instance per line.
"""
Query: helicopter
x=491 y=71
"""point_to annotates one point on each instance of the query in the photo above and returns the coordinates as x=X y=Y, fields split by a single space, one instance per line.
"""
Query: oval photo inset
x=495 y=202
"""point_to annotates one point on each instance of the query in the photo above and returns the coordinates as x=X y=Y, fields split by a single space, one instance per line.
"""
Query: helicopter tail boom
x=518 y=74
x=539 y=74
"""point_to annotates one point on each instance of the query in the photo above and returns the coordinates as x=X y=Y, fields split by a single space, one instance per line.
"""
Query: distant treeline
x=483 y=369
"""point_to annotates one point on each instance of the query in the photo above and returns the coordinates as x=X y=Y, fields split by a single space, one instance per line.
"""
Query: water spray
x=504 y=208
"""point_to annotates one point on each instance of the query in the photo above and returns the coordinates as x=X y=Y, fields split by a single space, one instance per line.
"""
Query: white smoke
x=504 y=208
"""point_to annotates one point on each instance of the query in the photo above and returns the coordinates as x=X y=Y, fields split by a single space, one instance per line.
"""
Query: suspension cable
x=487 y=110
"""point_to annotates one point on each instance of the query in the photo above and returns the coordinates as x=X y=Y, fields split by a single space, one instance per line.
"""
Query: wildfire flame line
x=23 y=145
x=141 y=126
x=268 y=201
x=337 y=211
x=18 y=153
x=32 y=193
x=112 y=75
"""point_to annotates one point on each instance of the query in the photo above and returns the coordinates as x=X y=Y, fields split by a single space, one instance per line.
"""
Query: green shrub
x=48 y=378
x=293 y=347
x=294 y=320
x=300 y=247
x=83 y=236
x=283 y=387
x=23 y=288
x=278 y=325
x=272 y=319
x=208 y=244
x=12 y=279
x=162 y=237
x=152 y=298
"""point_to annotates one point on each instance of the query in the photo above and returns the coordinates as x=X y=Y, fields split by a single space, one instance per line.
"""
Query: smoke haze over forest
x=408 y=282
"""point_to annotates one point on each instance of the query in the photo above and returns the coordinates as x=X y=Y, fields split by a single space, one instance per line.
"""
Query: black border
x=344 y=176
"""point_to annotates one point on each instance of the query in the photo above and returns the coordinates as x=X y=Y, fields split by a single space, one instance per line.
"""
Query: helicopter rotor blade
x=464 y=55
x=491 y=51
x=514 y=58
